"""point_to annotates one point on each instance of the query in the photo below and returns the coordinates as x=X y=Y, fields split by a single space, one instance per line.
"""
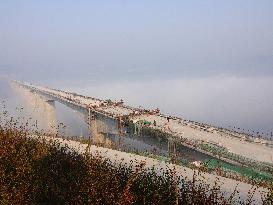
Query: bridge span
x=115 y=117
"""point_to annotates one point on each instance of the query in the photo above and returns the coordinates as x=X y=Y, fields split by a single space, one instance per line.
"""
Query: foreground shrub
x=35 y=172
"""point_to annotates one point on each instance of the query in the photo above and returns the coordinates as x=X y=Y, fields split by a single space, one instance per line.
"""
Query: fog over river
x=245 y=103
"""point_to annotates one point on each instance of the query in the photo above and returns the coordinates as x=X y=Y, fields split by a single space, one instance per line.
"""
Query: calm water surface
x=174 y=95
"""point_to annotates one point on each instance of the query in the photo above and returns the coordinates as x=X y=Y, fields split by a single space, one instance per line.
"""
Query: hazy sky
x=95 y=40
x=206 y=60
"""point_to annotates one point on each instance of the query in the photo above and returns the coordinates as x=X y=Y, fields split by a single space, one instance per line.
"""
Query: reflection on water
x=25 y=107
x=156 y=146
x=76 y=126
x=229 y=102
x=73 y=121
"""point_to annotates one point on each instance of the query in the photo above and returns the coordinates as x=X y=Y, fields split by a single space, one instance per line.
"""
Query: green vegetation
x=33 y=171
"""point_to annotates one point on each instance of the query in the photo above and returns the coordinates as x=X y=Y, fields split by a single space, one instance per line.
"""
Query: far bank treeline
x=35 y=172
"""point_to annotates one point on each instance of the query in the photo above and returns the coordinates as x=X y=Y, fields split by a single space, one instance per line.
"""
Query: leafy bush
x=33 y=171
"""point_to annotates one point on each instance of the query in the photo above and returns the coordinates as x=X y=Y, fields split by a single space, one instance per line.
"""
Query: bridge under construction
x=114 y=117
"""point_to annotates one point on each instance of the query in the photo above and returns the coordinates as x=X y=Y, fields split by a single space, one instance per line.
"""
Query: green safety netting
x=246 y=171
x=147 y=123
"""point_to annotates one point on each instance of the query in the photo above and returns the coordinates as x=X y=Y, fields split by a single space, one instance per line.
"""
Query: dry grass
x=35 y=172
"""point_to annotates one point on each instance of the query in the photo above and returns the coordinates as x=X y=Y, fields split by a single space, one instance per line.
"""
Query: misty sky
x=206 y=60
x=97 y=40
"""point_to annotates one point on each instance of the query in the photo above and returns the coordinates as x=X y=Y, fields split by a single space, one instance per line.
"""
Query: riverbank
x=227 y=186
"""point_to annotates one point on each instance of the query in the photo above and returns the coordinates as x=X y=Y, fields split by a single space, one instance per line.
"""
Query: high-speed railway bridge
x=114 y=117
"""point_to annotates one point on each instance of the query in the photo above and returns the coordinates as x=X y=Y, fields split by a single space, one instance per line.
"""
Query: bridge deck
x=211 y=135
x=104 y=106
x=237 y=143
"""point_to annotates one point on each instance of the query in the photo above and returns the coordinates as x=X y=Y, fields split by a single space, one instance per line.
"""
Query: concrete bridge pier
x=121 y=132
x=97 y=128
x=101 y=126
x=172 y=149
